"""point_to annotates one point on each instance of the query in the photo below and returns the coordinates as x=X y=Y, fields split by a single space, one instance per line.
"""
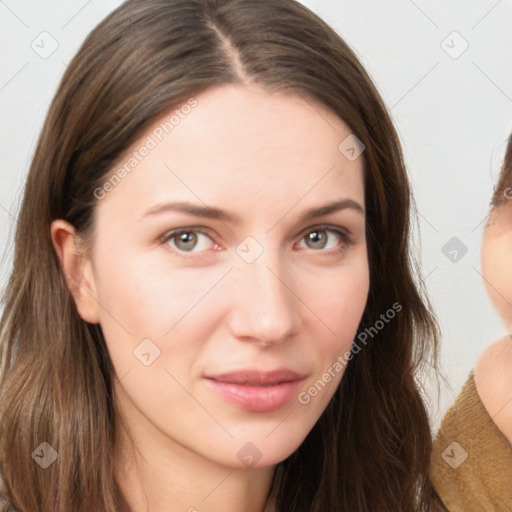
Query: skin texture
x=266 y=158
x=493 y=376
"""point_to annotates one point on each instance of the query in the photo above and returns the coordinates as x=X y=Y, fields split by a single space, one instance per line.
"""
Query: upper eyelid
x=325 y=227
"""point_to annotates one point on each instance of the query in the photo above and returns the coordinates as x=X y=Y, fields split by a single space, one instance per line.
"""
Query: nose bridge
x=264 y=307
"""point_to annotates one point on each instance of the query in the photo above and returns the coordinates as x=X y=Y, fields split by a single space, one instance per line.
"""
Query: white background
x=453 y=116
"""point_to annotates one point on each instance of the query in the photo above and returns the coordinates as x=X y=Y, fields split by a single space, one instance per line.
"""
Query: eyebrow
x=211 y=212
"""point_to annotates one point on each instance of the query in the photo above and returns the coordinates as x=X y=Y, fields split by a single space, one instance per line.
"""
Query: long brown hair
x=370 y=450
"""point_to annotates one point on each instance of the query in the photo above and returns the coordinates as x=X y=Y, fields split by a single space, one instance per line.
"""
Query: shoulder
x=493 y=379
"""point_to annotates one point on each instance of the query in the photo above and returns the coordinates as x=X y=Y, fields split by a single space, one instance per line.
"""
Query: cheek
x=340 y=307
x=332 y=354
x=497 y=274
x=161 y=316
x=148 y=294
x=342 y=302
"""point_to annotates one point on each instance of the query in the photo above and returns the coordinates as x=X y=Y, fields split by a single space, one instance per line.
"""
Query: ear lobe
x=77 y=270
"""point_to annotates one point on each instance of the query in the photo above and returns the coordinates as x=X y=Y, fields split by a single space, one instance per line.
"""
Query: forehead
x=240 y=146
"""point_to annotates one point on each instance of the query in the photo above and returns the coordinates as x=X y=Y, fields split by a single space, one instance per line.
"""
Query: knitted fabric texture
x=472 y=459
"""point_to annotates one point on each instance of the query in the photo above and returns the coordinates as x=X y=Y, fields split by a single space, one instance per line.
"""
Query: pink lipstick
x=256 y=390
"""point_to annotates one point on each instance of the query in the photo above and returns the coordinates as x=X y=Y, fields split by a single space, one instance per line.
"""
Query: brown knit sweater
x=472 y=459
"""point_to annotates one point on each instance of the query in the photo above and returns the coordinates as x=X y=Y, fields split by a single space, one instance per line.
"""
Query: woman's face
x=225 y=337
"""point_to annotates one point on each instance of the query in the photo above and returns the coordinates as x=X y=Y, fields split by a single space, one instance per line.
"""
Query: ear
x=77 y=269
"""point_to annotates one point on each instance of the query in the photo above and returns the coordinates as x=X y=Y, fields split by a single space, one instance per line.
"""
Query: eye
x=326 y=237
x=188 y=240
x=195 y=240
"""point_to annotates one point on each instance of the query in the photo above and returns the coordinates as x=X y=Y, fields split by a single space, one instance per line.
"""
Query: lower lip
x=257 y=398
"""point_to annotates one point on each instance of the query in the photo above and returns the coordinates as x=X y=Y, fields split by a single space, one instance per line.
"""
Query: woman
x=212 y=305
x=472 y=458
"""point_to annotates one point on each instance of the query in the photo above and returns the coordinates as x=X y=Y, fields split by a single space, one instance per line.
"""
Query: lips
x=255 y=390
x=258 y=378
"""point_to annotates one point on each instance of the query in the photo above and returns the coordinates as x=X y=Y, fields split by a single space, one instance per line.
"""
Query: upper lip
x=257 y=377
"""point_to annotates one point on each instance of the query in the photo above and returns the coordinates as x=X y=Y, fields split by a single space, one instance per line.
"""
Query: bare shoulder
x=493 y=379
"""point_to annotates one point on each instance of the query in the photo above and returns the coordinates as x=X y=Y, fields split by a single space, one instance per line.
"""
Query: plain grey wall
x=443 y=68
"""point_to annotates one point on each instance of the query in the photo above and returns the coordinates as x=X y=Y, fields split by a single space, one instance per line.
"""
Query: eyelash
x=346 y=239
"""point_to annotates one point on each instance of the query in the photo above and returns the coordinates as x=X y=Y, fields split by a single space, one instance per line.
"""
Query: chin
x=258 y=453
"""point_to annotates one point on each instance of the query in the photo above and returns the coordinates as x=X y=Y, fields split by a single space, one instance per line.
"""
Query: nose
x=264 y=304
